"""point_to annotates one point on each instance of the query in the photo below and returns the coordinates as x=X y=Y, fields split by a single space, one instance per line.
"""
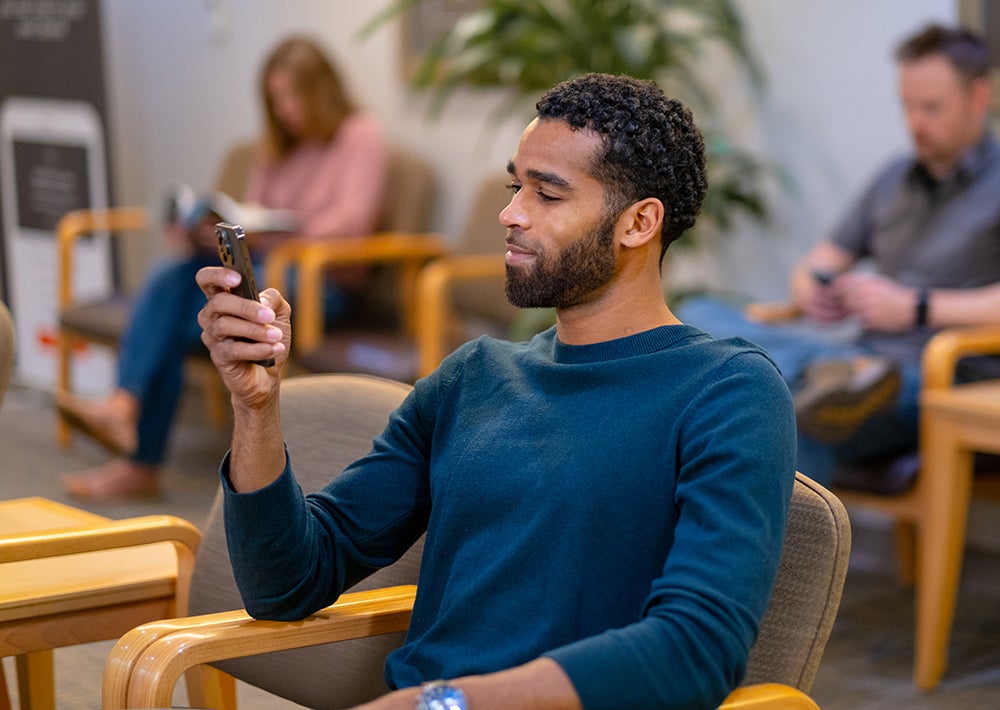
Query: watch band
x=923 y=302
x=438 y=695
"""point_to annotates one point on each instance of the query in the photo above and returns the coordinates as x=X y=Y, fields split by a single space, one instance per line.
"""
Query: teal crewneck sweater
x=619 y=507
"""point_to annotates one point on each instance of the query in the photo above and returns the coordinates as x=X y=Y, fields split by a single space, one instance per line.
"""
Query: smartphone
x=234 y=254
x=824 y=278
x=52 y=160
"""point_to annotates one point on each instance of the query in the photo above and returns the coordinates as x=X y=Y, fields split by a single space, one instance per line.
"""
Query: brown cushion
x=384 y=354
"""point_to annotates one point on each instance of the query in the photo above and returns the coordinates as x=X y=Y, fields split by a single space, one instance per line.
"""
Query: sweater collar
x=644 y=343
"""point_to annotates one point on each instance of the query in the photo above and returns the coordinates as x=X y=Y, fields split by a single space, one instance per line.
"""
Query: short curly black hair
x=652 y=147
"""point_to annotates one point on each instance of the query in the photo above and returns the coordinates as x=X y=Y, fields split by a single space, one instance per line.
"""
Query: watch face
x=441 y=696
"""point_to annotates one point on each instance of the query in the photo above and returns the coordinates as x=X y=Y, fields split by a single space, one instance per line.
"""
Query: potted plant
x=522 y=47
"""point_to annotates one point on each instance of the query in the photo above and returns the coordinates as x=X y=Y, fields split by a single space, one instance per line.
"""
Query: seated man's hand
x=822 y=301
x=880 y=303
x=239 y=332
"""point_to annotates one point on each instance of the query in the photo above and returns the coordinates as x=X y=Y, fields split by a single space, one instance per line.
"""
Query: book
x=183 y=204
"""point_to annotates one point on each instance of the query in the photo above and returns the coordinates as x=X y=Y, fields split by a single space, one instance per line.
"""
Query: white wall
x=183 y=87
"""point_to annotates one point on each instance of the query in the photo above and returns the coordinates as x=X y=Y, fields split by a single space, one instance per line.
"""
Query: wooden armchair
x=937 y=498
x=377 y=340
x=6 y=349
x=84 y=321
x=143 y=668
x=395 y=255
x=69 y=577
x=453 y=298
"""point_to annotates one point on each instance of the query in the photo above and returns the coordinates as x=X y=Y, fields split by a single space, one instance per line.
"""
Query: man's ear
x=641 y=222
x=982 y=95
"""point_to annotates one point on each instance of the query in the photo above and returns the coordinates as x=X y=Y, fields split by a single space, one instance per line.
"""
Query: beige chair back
x=410 y=193
x=329 y=421
x=806 y=596
x=6 y=349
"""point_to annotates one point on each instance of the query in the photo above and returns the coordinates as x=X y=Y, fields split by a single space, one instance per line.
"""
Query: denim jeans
x=795 y=346
x=162 y=331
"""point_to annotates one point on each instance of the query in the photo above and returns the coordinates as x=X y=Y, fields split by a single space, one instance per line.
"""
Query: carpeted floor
x=867 y=662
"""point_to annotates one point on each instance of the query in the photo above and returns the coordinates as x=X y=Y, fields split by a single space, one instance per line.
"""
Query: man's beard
x=568 y=277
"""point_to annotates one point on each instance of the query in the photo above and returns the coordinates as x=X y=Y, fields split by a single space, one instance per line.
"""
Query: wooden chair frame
x=147 y=663
x=88 y=605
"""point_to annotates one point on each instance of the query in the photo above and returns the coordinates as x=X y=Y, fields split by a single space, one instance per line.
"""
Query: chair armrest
x=79 y=223
x=947 y=347
x=311 y=258
x=772 y=311
x=768 y=696
x=146 y=663
x=433 y=310
x=99 y=536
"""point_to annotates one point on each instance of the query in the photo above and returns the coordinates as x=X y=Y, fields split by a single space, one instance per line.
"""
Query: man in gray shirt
x=926 y=236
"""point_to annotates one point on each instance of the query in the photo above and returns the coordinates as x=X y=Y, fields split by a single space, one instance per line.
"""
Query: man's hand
x=879 y=302
x=822 y=301
x=238 y=332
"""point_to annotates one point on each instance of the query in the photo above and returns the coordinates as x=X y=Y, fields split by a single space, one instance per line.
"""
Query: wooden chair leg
x=4 y=691
x=905 y=534
x=947 y=469
x=36 y=688
x=209 y=687
x=216 y=396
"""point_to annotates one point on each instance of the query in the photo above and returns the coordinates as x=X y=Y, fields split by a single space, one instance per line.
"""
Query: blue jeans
x=795 y=346
x=162 y=332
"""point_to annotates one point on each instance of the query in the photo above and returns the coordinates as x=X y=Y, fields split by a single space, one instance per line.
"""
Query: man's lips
x=517 y=254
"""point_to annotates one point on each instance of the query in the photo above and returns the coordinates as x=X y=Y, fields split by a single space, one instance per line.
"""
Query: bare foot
x=112 y=422
x=119 y=478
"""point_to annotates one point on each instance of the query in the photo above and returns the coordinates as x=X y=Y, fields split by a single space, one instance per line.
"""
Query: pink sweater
x=336 y=188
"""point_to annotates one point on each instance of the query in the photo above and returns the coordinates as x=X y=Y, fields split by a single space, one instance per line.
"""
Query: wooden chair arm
x=146 y=663
x=312 y=258
x=79 y=223
x=433 y=311
x=95 y=536
x=947 y=347
x=768 y=696
x=772 y=311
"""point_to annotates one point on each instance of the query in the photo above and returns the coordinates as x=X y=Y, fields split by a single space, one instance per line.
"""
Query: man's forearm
x=950 y=307
x=258 y=450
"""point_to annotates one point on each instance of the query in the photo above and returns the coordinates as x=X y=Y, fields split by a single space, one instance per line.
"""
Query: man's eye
x=547 y=198
x=513 y=187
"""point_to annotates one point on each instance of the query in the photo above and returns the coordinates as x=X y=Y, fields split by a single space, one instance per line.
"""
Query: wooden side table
x=956 y=422
x=68 y=576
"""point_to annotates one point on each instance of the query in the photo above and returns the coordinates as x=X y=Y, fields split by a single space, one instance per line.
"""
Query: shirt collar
x=974 y=162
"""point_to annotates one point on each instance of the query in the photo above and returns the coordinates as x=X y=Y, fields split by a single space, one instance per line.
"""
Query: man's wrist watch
x=923 y=306
x=438 y=695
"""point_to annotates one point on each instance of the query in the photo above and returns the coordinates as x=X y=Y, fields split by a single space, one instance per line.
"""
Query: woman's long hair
x=318 y=83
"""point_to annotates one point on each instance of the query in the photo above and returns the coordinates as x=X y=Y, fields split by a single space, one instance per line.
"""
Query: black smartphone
x=824 y=278
x=234 y=254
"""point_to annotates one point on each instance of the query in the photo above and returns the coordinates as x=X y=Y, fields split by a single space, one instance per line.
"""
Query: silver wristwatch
x=438 y=695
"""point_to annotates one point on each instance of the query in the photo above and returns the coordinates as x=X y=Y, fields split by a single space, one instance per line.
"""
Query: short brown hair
x=966 y=50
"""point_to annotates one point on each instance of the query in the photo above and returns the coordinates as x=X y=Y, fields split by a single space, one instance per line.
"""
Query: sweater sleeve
x=293 y=554
x=736 y=450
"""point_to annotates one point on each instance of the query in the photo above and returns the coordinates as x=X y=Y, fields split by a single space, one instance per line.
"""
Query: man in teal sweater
x=604 y=505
